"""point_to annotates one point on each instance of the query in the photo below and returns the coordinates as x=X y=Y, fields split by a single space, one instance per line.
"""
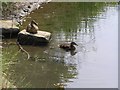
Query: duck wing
x=28 y=28
x=65 y=46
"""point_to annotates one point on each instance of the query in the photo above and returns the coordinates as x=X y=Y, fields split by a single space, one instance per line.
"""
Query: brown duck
x=32 y=27
x=68 y=47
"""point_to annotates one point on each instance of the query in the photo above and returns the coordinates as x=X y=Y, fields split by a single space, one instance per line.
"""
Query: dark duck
x=32 y=27
x=69 y=46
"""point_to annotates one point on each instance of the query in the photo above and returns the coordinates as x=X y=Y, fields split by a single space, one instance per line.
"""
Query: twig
x=28 y=55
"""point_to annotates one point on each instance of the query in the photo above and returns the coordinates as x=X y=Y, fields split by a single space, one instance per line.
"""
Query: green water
x=93 y=26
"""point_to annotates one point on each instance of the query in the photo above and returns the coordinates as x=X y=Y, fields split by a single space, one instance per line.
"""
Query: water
x=93 y=26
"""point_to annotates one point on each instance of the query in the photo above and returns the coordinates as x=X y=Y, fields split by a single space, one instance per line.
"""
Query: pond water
x=94 y=64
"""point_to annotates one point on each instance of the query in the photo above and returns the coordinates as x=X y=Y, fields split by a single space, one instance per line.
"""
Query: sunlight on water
x=99 y=67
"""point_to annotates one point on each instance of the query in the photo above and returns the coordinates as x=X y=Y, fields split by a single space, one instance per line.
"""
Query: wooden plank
x=9 y=28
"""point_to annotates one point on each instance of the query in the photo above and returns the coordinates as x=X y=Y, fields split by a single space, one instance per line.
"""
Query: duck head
x=73 y=43
x=33 y=23
x=72 y=47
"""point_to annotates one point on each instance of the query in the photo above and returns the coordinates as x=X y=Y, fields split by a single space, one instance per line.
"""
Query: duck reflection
x=73 y=52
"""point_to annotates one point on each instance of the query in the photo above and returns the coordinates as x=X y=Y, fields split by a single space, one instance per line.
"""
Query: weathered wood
x=8 y=28
x=41 y=38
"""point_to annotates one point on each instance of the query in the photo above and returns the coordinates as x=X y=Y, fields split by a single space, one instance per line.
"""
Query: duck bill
x=76 y=44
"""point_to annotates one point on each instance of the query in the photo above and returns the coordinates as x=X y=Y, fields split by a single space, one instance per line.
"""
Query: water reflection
x=50 y=66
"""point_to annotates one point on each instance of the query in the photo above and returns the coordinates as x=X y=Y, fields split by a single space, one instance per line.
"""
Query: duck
x=32 y=27
x=69 y=46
